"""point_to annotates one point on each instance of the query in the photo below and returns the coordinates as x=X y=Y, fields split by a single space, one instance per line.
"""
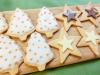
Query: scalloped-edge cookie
x=3 y=24
x=38 y=52
x=20 y=25
x=46 y=22
x=11 y=55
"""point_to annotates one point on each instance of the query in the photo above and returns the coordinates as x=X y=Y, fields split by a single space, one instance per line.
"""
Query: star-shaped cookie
x=90 y=38
x=90 y=13
x=70 y=15
x=69 y=18
x=98 y=27
x=66 y=45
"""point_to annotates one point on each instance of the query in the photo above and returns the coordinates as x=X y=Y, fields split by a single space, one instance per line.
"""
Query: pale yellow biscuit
x=90 y=38
x=66 y=45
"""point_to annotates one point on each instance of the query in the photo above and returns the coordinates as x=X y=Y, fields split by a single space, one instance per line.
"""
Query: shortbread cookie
x=86 y=52
x=66 y=45
x=46 y=22
x=20 y=25
x=98 y=27
x=11 y=55
x=69 y=18
x=89 y=13
x=90 y=38
x=38 y=52
x=3 y=24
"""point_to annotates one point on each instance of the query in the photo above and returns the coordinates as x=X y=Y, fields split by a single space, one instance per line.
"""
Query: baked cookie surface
x=11 y=55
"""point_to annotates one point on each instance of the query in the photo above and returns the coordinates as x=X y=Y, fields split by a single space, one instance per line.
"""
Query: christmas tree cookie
x=38 y=52
x=20 y=25
x=11 y=55
x=3 y=24
x=66 y=45
x=46 y=22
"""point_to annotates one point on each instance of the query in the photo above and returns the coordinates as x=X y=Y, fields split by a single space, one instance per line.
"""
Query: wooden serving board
x=87 y=54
